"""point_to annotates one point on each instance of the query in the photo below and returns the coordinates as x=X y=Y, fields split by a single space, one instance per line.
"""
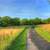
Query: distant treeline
x=8 y=21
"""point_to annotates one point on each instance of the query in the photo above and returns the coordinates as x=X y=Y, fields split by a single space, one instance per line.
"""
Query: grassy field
x=13 y=38
x=44 y=31
x=19 y=43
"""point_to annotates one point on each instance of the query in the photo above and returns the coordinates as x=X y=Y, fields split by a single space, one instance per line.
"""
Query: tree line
x=8 y=21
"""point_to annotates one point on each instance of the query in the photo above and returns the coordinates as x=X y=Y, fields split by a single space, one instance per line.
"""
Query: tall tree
x=5 y=21
x=37 y=21
x=15 y=21
x=24 y=22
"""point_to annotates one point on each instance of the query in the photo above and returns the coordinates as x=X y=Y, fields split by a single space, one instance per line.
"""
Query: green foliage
x=37 y=21
x=8 y=21
x=48 y=20
x=24 y=22
x=5 y=21
x=15 y=21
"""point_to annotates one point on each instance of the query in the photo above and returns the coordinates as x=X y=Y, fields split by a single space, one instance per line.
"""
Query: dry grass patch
x=44 y=31
x=10 y=31
x=46 y=27
x=7 y=35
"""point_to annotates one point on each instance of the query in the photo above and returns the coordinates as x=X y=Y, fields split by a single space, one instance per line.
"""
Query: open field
x=8 y=35
x=14 y=38
x=19 y=43
x=44 y=31
x=46 y=27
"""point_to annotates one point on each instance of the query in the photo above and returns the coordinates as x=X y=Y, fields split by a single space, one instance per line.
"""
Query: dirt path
x=39 y=41
x=30 y=45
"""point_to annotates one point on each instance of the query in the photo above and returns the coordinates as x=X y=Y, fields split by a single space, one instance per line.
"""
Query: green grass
x=44 y=34
x=19 y=43
x=6 y=41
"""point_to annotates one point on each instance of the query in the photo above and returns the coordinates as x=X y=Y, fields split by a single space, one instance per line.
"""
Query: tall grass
x=19 y=43
x=6 y=39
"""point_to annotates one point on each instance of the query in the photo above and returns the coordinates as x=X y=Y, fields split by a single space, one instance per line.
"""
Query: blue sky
x=25 y=8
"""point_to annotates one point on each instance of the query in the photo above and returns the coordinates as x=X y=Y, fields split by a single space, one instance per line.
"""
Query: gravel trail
x=30 y=44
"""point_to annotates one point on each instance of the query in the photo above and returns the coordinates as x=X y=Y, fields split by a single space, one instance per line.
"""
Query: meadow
x=43 y=31
x=13 y=38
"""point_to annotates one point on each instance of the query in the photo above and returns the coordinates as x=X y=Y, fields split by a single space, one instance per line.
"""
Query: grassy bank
x=7 y=35
x=43 y=33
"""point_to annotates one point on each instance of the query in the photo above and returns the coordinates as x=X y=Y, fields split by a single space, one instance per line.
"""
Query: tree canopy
x=8 y=21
